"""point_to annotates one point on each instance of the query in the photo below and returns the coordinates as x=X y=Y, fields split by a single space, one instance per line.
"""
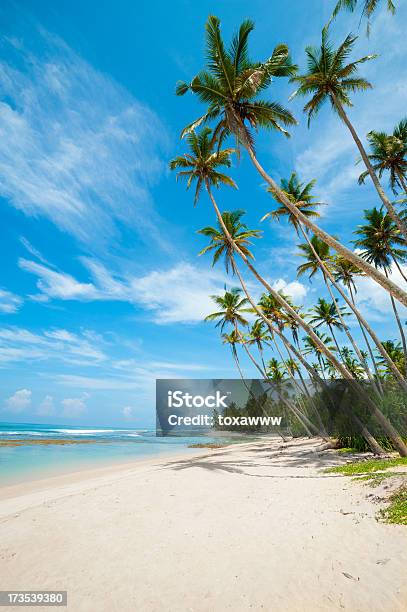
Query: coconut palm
x=318 y=257
x=382 y=245
x=311 y=348
x=232 y=339
x=389 y=154
x=230 y=87
x=275 y=370
x=202 y=164
x=231 y=306
x=259 y=335
x=300 y=195
x=368 y=8
x=352 y=363
x=326 y=313
x=345 y=272
x=219 y=243
x=330 y=78
x=396 y=352
x=314 y=251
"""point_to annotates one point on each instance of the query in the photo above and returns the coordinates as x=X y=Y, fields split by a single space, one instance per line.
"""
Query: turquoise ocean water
x=110 y=446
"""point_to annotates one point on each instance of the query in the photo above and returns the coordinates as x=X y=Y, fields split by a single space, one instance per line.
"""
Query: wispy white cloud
x=19 y=401
x=9 y=302
x=75 y=146
x=178 y=294
x=18 y=344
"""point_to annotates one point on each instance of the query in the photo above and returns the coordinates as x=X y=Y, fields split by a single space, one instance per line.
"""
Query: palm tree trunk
x=399 y=325
x=300 y=416
x=392 y=211
x=380 y=417
x=398 y=267
x=327 y=275
x=402 y=181
x=374 y=445
x=370 y=270
x=361 y=320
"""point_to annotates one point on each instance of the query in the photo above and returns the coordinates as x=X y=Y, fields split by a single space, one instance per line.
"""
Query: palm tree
x=368 y=8
x=389 y=154
x=318 y=256
x=330 y=77
x=231 y=305
x=300 y=195
x=275 y=370
x=326 y=313
x=382 y=245
x=314 y=251
x=352 y=364
x=230 y=88
x=345 y=272
x=202 y=164
x=239 y=233
x=232 y=339
x=396 y=352
x=311 y=348
x=259 y=335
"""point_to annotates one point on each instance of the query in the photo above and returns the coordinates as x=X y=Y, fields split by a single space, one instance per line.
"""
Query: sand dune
x=247 y=527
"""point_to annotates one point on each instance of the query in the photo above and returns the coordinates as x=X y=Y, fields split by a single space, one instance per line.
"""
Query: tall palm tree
x=231 y=306
x=259 y=336
x=382 y=245
x=230 y=87
x=326 y=313
x=345 y=272
x=239 y=233
x=330 y=77
x=389 y=154
x=232 y=339
x=202 y=164
x=318 y=256
x=300 y=195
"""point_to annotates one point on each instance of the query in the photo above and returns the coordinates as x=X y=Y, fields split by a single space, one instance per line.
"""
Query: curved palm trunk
x=402 y=180
x=398 y=267
x=370 y=270
x=361 y=320
x=399 y=325
x=372 y=442
x=392 y=211
x=380 y=417
x=306 y=423
x=327 y=275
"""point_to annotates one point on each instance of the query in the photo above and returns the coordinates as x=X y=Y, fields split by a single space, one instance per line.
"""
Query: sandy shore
x=247 y=527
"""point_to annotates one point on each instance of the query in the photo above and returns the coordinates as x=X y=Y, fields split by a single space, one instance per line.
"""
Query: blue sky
x=101 y=289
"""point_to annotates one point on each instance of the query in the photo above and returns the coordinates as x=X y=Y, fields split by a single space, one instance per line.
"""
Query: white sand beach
x=248 y=527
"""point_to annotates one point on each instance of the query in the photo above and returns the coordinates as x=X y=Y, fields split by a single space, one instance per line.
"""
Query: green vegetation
x=396 y=512
x=362 y=467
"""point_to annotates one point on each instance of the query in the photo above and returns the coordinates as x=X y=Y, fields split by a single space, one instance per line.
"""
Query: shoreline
x=255 y=525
